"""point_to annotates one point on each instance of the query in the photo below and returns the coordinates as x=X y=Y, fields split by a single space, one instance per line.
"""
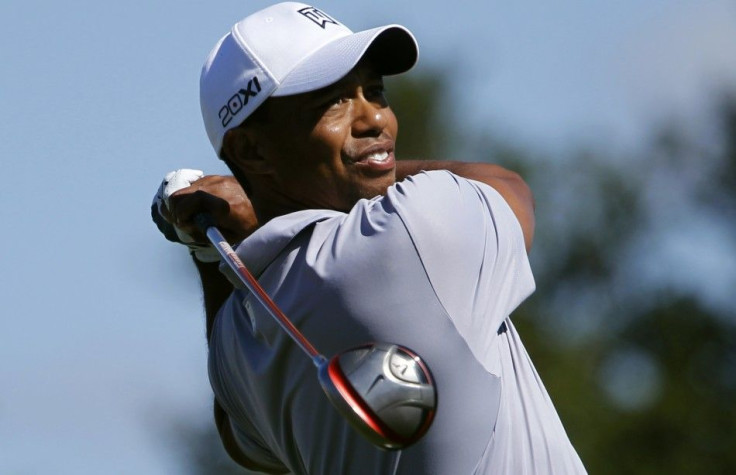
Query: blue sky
x=101 y=335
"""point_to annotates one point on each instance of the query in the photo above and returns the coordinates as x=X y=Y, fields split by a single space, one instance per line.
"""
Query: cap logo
x=238 y=100
x=317 y=16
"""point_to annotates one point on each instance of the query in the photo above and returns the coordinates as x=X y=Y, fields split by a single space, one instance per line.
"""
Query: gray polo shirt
x=437 y=265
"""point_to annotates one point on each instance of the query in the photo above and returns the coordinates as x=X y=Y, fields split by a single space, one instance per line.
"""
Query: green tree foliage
x=420 y=106
x=643 y=374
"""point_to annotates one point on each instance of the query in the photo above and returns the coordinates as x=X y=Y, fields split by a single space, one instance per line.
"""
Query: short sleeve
x=472 y=248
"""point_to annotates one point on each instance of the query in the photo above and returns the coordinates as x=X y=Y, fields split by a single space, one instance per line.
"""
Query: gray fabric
x=436 y=265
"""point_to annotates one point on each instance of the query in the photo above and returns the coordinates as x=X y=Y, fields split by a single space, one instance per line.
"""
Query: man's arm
x=222 y=421
x=224 y=199
x=215 y=289
x=509 y=185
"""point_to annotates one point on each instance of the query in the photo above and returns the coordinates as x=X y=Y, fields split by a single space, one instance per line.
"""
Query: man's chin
x=379 y=188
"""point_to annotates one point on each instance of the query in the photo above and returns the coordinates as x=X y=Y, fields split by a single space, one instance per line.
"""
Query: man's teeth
x=377 y=157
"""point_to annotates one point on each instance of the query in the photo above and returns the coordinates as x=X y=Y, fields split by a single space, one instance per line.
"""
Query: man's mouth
x=376 y=159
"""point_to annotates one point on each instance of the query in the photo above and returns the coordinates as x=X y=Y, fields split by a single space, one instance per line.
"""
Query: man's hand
x=185 y=193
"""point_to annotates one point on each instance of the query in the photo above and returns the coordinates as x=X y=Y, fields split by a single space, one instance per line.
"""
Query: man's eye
x=333 y=101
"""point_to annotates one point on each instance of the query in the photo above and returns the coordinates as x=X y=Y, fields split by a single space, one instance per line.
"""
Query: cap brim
x=392 y=50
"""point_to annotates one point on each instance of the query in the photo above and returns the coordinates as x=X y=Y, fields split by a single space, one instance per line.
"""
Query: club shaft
x=233 y=261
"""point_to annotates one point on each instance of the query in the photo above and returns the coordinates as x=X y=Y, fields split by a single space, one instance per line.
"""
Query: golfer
x=354 y=247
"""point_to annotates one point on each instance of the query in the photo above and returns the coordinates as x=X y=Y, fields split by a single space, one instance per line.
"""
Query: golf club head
x=384 y=390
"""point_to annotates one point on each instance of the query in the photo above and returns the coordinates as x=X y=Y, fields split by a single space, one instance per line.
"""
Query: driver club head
x=384 y=390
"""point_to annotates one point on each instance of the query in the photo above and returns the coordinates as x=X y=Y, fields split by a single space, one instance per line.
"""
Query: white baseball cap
x=285 y=49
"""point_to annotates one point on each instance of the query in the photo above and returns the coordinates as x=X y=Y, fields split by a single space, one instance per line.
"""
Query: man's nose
x=370 y=117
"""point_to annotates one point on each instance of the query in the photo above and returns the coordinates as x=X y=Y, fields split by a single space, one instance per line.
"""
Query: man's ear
x=240 y=147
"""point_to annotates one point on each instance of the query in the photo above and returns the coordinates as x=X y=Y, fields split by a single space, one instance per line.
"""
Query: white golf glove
x=173 y=182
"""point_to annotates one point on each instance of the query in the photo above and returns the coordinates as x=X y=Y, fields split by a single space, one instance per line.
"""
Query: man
x=355 y=247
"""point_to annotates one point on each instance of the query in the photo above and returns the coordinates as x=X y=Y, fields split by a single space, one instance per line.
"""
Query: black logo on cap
x=239 y=100
x=317 y=16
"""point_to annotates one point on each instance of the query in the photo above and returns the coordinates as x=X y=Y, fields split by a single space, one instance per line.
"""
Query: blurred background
x=621 y=115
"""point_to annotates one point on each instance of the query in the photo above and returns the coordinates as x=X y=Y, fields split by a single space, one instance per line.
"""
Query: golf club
x=384 y=390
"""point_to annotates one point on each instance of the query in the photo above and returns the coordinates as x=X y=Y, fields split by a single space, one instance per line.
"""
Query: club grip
x=203 y=221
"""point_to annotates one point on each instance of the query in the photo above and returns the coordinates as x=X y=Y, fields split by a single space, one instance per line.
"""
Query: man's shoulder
x=261 y=247
x=442 y=196
x=442 y=184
